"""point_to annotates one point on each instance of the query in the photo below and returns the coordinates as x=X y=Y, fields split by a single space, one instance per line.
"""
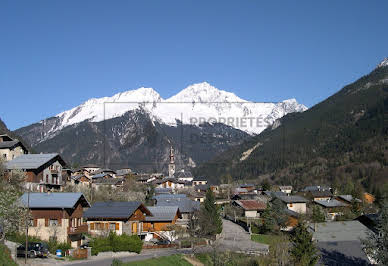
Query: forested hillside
x=338 y=141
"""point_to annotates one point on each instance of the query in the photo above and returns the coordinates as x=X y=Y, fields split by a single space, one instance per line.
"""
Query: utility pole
x=27 y=221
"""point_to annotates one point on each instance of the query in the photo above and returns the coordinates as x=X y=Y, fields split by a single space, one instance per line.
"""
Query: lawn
x=176 y=260
x=264 y=239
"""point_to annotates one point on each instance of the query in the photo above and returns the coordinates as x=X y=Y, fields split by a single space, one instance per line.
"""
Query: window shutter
x=91 y=226
x=117 y=226
x=46 y=220
x=60 y=221
x=35 y=222
x=106 y=226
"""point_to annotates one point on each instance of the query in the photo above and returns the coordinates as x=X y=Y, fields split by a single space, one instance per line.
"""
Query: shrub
x=116 y=243
x=5 y=256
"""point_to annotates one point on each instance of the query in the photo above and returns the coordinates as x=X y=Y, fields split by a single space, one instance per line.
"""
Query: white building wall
x=297 y=207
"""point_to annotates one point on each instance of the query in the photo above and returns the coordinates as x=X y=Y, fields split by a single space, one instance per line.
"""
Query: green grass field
x=264 y=239
x=176 y=260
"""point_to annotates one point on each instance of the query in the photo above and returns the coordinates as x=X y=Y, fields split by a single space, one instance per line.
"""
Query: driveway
x=235 y=238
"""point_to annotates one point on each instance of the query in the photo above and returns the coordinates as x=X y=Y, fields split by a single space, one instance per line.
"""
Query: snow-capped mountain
x=195 y=104
x=136 y=128
x=383 y=63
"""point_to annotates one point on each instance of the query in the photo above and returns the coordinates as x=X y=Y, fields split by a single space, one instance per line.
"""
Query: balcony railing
x=74 y=230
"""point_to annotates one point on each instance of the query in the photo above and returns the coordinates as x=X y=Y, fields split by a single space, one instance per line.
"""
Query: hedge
x=116 y=243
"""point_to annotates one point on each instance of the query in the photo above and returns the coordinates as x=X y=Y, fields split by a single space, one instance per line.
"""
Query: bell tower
x=171 y=165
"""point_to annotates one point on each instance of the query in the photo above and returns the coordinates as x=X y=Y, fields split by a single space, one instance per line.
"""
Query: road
x=146 y=254
x=235 y=238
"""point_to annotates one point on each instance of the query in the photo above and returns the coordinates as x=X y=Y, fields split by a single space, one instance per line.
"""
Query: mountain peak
x=383 y=63
x=204 y=93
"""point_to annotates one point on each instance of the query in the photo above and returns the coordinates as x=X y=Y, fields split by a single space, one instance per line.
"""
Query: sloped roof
x=162 y=213
x=114 y=209
x=199 y=178
x=31 y=161
x=331 y=203
x=160 y=190
x=100 y=175
x=185 y=205
x=8 y=144
x=54 y=200
x=348 y=198
x=338 y=231
x=324 y=193
x=184 y=175
x=107 y=181
x=292 y=199
x=169 y=196
x=249 y=205
x=315 y=188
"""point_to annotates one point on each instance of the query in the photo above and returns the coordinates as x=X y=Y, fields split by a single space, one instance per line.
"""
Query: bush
x=5 y=256
x=255 y=229
x=116 y=243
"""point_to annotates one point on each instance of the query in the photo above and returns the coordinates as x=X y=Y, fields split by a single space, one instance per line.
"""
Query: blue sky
x=54 y=55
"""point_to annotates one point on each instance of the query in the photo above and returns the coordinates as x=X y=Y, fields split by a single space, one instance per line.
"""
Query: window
x=5 y=156
x=112 y=226
x=46 y=178
x=53 y=222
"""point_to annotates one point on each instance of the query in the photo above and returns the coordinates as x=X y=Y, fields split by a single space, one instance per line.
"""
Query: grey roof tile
x=54 y=200
x=162 y=213
x=112 y=209
x=30 y=161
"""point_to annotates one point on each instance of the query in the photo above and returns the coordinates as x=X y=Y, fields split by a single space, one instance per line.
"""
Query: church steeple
x=171 y=165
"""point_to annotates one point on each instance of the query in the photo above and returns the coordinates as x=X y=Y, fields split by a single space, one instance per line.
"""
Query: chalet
x=145 y=178
x=199 y=181
x=320 y=195
x=57 y=216
x=292 y=220
x=286 y=189
x=156 y=198
x=295 y=203
x=332 y=207
x=170 y=182
x=159 y=223
x=348 y=199
x=91 y=168
x=43 y=171
x=106 y=171
x=11 y=148
x=201 y=188
x=107 y=182
x=123 y=171
x=187 y=208
x=81 y=180
x=185 y=176
x=248 y=187
x=119 y=217
x=252 y=208
x=200 y=197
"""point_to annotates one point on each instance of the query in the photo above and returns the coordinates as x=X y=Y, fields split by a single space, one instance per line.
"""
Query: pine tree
x=376 y=246
x=303 y=250
x=209 y=217
x=318 y=215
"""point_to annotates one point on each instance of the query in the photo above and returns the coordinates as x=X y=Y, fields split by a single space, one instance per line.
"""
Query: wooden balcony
x=77 y=229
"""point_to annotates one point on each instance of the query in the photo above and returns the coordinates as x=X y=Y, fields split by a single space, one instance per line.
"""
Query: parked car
x=163 y=242
x=35 y=249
